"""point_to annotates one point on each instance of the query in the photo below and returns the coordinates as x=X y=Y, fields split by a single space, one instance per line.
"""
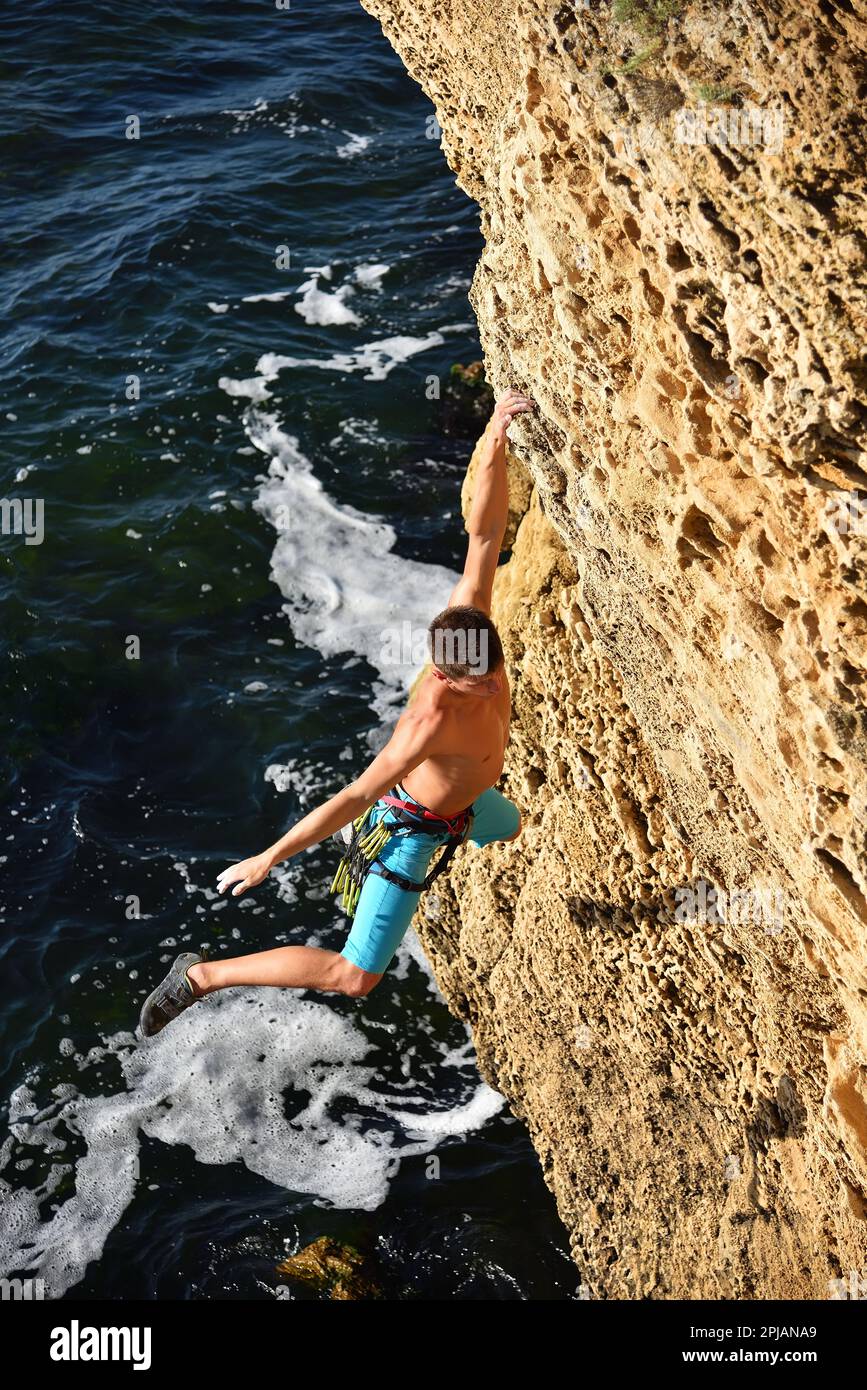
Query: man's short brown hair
x=464 y=642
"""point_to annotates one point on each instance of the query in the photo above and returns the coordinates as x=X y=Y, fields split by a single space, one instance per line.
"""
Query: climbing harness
x=367 y=842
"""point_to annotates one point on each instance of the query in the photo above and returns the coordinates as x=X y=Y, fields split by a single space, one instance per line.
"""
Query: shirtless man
x=444 y=756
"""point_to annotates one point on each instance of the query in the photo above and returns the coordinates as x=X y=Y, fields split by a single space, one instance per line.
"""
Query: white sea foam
x=345 y=590
x=273 y=298
x=320 y=306
x=304 y=779
x=247 y=113
x=263 y=114
x=216 y=1082
x=356 y=144
x=359 y=431
x=375 y=359
x=371 y=274
x=254 y=387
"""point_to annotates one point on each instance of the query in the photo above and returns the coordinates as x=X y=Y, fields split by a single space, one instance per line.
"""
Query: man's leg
x=382 y=916
x=285 y=967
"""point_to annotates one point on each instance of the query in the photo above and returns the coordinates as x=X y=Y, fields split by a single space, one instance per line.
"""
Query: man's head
x=466 y=651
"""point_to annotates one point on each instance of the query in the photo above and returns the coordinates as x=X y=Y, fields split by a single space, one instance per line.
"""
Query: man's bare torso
x=475 y=734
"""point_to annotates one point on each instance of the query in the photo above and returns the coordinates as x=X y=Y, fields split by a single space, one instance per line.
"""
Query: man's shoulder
x=427 y=693
x=428 y=708
x=422 y=686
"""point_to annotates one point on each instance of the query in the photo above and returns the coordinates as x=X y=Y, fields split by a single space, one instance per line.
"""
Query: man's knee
x=352 y=980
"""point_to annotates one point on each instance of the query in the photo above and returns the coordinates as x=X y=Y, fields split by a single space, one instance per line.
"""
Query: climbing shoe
x=174 y=994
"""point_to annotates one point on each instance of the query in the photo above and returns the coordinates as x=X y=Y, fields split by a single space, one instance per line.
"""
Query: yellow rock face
x=667 y=974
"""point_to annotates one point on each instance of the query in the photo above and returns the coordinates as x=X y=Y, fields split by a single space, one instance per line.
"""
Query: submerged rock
x=334 y=1269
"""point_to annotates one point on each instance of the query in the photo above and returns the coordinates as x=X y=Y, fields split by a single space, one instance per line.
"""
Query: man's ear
x=439 y=675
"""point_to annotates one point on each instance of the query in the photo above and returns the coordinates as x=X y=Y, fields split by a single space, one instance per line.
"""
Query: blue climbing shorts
x=384 y=910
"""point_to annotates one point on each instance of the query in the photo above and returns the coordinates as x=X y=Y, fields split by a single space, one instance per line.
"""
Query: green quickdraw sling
x=367 y=842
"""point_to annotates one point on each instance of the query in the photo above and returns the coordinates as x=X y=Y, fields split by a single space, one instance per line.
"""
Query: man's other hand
x=247 y=874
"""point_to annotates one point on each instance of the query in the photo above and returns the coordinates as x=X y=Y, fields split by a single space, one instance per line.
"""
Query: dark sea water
x=246 y=478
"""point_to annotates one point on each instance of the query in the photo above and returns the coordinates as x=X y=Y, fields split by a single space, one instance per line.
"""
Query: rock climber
x=431 y=786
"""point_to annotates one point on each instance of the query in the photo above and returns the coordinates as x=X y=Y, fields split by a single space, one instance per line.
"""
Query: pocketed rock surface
x=667 y=974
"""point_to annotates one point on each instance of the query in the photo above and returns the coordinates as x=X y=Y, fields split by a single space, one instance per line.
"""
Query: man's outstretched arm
x=414 y=739
x=486 y=524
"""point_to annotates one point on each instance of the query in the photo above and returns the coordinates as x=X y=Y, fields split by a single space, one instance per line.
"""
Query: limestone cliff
x=667 y=974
